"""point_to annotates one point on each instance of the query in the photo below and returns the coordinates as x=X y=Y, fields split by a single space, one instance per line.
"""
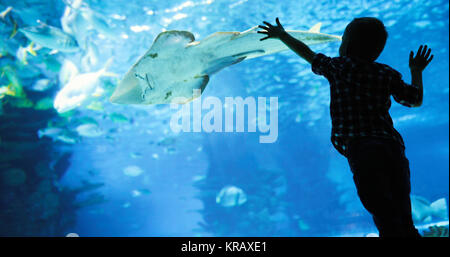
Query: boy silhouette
x=362 y=129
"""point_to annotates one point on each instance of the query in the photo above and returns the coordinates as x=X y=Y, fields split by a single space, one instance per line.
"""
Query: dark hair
x=366 y=38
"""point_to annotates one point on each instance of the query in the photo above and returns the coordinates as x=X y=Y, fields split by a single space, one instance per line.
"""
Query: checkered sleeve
x=404 y=93
x=322 y=64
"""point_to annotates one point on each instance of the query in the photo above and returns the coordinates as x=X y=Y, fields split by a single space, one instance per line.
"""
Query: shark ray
x=176 y=64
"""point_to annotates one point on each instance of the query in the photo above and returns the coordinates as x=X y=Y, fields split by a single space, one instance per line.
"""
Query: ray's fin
x=189 y=86
x=316 y=28
x=221 y=63
x=169 y=41
x=219 y=38
x=439 y=208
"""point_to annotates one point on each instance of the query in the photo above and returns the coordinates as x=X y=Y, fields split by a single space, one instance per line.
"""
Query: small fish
x=93 y=172
x=57 y=134
x=72 y=22
x=136 y=193
x=132 y=171
x=5 y=12
x=139 y=192
x=170 y=150
x=79 y=89
x=41 y=85
x=97 y=21
x=198 y=178
x=51 y=37
x=167 y=141
x=118 y=118
x=423 y=210
x=87 y=120
x=89 y=130
x=6 y=90
x=51 y=132
x=135 y=155
x=145 y=191
x=15 y=88
x=302 y=225
x=10 y=21
x=67 y=139
x=22 y=52
x=67 y=72
x=96 y=106
x=231 y=196
x=90 y=58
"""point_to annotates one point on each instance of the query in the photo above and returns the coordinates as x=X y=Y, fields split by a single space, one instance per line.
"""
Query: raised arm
x=417 y=65
x=411 y=95
x=278 y=32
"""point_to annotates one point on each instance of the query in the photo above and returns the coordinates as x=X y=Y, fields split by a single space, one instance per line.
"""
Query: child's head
x=364 y=38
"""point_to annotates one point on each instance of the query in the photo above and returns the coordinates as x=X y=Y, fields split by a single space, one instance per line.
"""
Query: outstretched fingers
x=263 y=27
x=429 y=60
x=419 y=52
x=428 y=53
x=278 y=22
x=266 y=32
x=424 y=50
x=268 y=24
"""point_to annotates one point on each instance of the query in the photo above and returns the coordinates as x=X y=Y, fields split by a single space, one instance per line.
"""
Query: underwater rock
x=87 y=186
x=92 y=199
x=44 y=186
x=231 y=196
x=42 y=170
x=43 y=203
x=61 y=165
x=13 y=177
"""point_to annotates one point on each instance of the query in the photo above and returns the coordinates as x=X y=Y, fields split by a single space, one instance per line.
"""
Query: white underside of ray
x=176 y=65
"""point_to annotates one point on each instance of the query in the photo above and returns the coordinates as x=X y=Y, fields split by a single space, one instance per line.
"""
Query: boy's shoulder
x=326 y=65
x=388 y=69
x=372 y=65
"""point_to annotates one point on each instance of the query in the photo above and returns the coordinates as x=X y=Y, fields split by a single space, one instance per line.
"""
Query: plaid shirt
x=360 y=98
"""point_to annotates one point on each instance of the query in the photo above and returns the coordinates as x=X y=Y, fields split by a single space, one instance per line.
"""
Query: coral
x=436 y=231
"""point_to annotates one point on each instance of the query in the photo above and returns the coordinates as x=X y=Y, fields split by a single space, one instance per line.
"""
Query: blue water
x=296 y=186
